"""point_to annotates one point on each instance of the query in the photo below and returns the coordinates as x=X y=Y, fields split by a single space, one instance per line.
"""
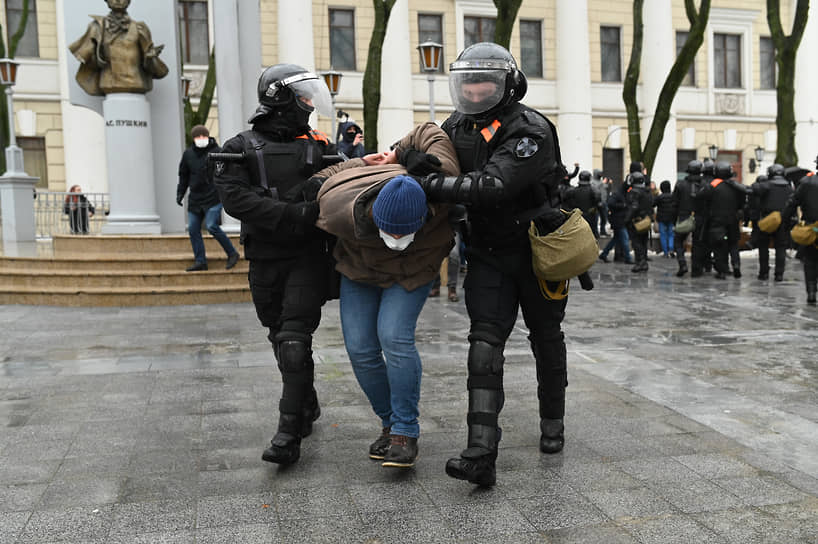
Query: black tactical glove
x=311 y=187
x=179 y=200
x=302 y=213
x=419 y=163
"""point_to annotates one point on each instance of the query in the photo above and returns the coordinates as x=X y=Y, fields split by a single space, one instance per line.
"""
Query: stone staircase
x=122 y=271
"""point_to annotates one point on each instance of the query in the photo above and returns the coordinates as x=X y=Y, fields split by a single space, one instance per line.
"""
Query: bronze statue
x=117 y=54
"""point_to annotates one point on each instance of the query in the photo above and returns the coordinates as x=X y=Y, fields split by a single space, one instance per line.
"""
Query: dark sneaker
x=603 y=258
x=378 y=449
x=403 y=450
x=196 y=267
x=232 y=260
x=285 y=449
x=552 y=438
x=682 y=270
x=811 y=297
x=475 y=465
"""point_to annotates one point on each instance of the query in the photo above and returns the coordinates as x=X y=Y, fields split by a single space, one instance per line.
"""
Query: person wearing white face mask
x=389 y=249
x=203 y=204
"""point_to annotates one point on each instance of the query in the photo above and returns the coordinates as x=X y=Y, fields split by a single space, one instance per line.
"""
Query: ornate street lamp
x=333 y=81
x=186 y=81
x=713 y=151
x=431 y=54
x=14 y=155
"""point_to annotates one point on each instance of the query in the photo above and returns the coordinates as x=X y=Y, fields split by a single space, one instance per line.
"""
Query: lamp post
x=759 y=151
x=430 y=57
x=14 y=155
x=713 y=152
x=333 y=81
x=185 y=88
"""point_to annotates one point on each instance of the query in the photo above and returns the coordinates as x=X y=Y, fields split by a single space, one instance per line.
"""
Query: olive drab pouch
x=564 y=253
x=642 y=225
x=685 y=225
x=770 y=222
x=805 y=234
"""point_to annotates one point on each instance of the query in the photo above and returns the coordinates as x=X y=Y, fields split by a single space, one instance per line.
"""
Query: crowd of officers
x=707 y=208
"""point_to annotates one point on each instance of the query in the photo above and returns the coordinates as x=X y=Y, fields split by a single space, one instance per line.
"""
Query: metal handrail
x=57 y=212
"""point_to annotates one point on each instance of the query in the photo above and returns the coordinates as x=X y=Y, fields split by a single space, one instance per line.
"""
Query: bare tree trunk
x=506 y=14
x=14 y=40
x=199 y=117
x=631 y=82
x=695 y=37
x=786 y=48
x=372 y=73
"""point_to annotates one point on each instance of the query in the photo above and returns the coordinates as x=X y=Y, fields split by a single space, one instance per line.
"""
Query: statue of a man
x=117 y=54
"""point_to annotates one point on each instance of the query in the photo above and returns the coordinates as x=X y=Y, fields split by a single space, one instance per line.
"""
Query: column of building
x=806 y=81
x=574 y=83
x=396 y=115
x=658 y=55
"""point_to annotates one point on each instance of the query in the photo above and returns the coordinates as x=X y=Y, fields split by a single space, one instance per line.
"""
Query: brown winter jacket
x=346 y=199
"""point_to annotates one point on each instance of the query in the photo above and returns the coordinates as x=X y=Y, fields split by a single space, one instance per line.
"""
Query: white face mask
x=201 y=142
x=396 y=244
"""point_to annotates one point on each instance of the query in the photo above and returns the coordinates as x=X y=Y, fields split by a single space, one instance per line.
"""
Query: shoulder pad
x=236 y=144
x=319 y=136
x=534 y=117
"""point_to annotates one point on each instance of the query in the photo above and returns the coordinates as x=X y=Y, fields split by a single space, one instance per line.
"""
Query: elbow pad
x=464 y=189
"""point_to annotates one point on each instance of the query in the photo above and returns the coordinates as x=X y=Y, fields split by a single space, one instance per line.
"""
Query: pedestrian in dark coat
x=665 y=216
x=79 y=210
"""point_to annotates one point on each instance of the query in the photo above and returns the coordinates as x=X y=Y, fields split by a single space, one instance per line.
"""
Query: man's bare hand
x=384 y=157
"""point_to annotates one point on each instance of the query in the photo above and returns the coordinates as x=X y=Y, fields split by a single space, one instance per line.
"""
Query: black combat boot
x=285 y=447
x=737 y=272
x=682 y=269
x=552 y=438
x=811 y=289
x=312 y=411
x=475 y=465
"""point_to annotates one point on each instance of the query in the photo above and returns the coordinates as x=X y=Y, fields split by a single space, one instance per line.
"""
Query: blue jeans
x=212 y=219
x=621 y=237
x=379 y=334
x=666 y=237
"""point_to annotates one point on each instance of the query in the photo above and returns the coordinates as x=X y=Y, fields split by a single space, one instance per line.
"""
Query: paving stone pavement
x=691 y=417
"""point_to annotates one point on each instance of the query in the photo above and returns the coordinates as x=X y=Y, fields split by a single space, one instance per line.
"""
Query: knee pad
x=485 y=359
x=292 y=356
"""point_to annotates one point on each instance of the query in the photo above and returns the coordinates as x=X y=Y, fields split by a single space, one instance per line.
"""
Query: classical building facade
x=574 y=52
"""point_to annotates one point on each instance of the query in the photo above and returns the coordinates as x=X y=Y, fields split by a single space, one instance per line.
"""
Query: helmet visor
x=311 y=93
x=476 y=91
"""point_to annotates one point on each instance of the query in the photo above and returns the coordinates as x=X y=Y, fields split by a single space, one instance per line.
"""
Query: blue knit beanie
x=400 y=207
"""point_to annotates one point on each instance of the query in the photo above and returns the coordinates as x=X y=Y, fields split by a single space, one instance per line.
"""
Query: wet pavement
x=692 y=417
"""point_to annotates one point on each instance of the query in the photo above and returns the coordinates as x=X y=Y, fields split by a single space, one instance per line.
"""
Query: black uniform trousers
x=810 y=258
x=496 y=286
x=639 y=242
x=781 y=241
x=724 y=242
x=288 y=295
x=700 y=254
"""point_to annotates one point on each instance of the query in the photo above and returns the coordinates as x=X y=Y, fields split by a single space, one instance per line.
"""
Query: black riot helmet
x=637 y=178
x=484 y=79
x=694 y=168
x=292 y=93
x=585 y=176
x=776 y=170
x=708 y=167
x=723 y=170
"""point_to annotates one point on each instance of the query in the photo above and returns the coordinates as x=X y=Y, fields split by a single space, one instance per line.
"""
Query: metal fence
x=69 y=213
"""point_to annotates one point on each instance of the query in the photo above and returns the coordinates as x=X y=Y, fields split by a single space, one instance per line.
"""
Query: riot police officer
x=700 y=257
x=640 y=205
x=725 y=197
x=683 y=205
x=272 y=194
x=510 y=156
x=772 y=195
x=586 y=198
x=806 y=198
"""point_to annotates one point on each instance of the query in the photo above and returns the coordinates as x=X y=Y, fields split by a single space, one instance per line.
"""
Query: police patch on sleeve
x=525 y=148
x=220 y=166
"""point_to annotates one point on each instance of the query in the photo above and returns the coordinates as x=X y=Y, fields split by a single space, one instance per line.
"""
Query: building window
x=342 y=39
x=683 y=157
x=29 y=44
x=193 y=31
x=478 y=29
x=727 y=60
x=34 y=158
x=690 y=78
x=531 y=48
x=767 y=58
x=430 y=29
x=611 y=50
